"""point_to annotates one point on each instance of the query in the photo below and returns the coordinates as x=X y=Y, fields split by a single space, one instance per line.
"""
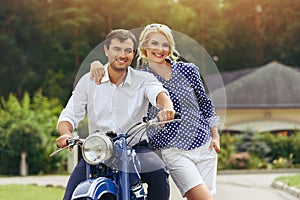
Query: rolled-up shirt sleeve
x=153 y=87
x=75 y=109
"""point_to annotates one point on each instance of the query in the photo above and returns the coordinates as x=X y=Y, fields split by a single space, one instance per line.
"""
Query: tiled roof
x=273 y=85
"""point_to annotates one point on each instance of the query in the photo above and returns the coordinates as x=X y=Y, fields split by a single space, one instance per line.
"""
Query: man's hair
x=121 y=35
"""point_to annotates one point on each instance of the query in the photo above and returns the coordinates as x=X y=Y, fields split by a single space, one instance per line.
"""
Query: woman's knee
x=199 y=192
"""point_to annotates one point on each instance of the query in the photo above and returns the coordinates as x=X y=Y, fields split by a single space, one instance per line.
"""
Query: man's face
x=120 y=54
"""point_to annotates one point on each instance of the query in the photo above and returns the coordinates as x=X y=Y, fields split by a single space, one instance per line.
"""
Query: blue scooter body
x=120 y=181
x=95 y=188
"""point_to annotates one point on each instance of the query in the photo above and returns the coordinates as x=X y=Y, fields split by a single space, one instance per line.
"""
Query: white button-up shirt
x=110 y=107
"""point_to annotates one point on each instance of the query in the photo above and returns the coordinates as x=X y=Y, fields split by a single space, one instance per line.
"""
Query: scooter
x=113 y=168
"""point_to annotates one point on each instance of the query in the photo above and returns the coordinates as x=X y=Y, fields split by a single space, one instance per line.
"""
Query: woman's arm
x=96 y=71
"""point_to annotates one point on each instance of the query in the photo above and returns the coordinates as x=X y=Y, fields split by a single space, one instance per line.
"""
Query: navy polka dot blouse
x=191 y=101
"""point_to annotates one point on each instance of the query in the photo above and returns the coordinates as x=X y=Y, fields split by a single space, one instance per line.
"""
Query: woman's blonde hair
x=144 y=37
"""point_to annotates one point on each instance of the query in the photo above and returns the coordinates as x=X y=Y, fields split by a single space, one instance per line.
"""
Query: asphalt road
x=229 y=186
x=245 y=187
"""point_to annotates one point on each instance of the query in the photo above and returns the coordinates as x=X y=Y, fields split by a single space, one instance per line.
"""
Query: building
x=262 y=99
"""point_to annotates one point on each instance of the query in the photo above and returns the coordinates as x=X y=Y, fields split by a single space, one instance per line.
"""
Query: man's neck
x=117 y=77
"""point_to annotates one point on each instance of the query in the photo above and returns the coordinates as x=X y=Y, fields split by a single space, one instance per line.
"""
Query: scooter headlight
x=97 y=148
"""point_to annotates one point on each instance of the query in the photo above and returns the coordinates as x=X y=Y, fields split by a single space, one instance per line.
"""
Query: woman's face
x=157 y=48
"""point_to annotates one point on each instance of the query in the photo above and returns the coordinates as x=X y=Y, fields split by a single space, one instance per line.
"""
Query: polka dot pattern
x=191 y=101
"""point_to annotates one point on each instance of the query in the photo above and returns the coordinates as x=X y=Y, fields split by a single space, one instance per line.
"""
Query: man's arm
x=165 y=105
x=65 y=130
x=73 y=113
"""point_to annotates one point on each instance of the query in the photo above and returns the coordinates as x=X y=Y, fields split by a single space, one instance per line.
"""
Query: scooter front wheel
x=108 y=197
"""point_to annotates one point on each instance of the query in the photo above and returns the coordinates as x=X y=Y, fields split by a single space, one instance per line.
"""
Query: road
x=229 y=186
x=245 y=187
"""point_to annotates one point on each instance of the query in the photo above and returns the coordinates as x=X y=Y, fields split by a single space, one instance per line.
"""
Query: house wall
x=260 y=119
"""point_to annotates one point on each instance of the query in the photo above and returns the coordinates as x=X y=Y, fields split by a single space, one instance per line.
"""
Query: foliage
x=250 y=142
x=282 y=162
x=280 y=145
x=46 y=41
x=240 y=161
x=227 y=149
x=295 y=143
x=30 y=192
x=238 y=152
x=259 y=150
x=28 y=125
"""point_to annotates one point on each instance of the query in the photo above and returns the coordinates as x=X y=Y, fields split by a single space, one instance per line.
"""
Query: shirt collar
x=105 y=77
x=128 y=79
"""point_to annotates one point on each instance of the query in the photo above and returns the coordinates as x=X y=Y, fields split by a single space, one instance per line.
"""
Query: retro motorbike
x=113 y=168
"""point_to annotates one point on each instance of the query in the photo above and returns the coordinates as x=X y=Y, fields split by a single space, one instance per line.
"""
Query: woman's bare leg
x=199 y=192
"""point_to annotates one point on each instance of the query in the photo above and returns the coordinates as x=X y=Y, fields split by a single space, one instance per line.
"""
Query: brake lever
x=165 y=122
x=59 y=150
x=157 y=122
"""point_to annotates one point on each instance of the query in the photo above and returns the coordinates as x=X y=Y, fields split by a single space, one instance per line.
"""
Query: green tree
x=260 y=31
x=244 y=34
x=28 y=125
x=281 y=27
x=209 y=26
x=44 y=42
x=24 y=137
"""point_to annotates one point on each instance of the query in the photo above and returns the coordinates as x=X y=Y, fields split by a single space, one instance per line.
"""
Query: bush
x=240 y=161
x=227 y=149
x=26 y=137
x=27 y=125
x=295 y=143
x=259 y=150
x=250 y=142
x=281 y=145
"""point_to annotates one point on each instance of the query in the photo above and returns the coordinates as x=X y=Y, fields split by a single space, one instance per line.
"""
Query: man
x=120 y=101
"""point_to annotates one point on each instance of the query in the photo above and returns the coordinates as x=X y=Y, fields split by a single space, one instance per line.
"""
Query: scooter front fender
x=94 y=188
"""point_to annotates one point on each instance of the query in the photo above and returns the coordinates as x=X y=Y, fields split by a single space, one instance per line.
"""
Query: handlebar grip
x=111 y=134
x=69 y=141
x=177 y=115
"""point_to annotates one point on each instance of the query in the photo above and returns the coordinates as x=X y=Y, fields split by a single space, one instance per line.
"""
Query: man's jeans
x=153 y=173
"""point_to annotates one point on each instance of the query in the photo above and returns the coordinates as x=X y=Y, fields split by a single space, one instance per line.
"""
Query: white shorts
x=191 y=168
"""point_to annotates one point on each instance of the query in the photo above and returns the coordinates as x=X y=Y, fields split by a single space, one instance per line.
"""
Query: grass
x=30 y=192
x=34 y=192
x=290 y=180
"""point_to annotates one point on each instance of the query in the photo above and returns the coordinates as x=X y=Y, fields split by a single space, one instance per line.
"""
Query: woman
x=188 y=148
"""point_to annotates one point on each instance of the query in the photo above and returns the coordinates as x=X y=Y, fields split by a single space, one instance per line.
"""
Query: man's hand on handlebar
x=166 y=114
x=61 y=141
